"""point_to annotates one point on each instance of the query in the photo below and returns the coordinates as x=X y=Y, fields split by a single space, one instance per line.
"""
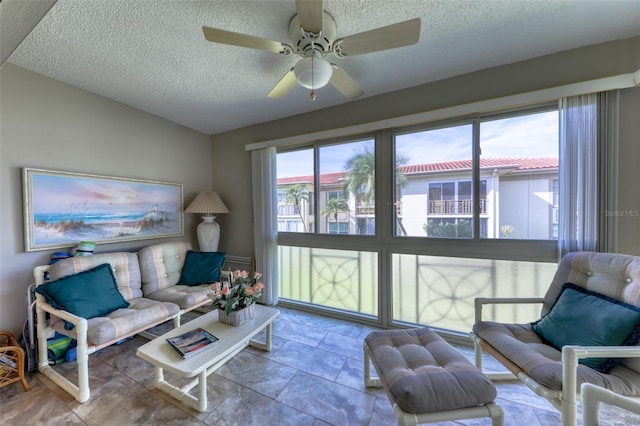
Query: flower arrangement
x=244 y=290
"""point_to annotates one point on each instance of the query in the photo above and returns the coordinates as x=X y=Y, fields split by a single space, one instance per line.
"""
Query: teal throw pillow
x=586 y=318
x=201 y=267
x=88 y=294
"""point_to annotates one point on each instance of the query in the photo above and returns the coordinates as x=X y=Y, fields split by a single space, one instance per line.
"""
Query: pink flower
x=257 y=276
x=249 y=291
x=244 y=274
x=236 y=273
x=259 y=286
x=225 y=290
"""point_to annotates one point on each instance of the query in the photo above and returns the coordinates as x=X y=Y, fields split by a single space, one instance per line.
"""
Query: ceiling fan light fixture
x=313 y=72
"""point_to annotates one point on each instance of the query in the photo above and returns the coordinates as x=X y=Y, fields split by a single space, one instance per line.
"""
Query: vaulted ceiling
x=152 y=55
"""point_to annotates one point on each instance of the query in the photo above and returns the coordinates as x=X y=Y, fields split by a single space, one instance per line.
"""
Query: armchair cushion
x=201 y=267
x=88 y=294
x=519 y=344
x=586 y=318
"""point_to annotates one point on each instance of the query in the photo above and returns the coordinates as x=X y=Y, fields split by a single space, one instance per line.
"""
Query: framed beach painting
x=62 y=209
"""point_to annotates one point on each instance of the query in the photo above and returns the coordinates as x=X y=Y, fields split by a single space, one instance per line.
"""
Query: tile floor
x=312 y=376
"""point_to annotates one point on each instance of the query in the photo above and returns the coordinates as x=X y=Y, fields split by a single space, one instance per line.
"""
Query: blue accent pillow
x=87 y=294
x=584 y=317
x=201 y=267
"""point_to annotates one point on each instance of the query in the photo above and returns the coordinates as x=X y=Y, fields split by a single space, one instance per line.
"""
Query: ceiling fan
x=313 y=36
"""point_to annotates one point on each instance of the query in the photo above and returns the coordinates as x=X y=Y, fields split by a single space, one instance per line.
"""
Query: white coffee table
x=200 y=366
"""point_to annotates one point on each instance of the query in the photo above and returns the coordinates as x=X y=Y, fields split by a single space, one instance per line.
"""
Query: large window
x=404 y=227
x=295 y=191
x=346 y=181
x=434 y=182
x=521 y=154
x=503 y=191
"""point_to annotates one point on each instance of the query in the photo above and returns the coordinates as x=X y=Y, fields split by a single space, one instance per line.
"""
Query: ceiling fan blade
x=310 y=14
x=243 y=40
x=285 y=84
x=344 y=83
x=383 y=38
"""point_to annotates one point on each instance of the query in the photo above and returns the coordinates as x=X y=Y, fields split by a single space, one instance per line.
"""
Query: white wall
x=51 y=125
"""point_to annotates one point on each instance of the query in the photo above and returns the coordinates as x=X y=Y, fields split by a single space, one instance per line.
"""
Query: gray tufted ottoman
x=426 y=379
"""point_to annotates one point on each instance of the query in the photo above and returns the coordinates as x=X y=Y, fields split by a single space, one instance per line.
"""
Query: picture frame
x=62 y=209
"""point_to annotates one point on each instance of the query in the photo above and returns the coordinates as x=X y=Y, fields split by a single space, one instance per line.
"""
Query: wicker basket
x=238 y=317
x=11 y=361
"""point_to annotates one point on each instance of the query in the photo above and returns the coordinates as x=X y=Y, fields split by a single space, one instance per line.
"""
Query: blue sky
x=533 y=135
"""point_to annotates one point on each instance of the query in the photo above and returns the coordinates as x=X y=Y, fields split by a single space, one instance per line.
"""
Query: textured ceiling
x=152 y=55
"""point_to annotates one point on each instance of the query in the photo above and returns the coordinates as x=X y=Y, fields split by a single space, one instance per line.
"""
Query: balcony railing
x=365 y=210
x=287 y=210
x=427 y=290
x=370 y=209
x=455 y=207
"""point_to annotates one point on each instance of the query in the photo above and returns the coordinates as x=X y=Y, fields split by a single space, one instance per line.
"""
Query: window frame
x=386 y=241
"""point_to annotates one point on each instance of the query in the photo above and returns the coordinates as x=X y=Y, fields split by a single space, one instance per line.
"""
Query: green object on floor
x=57 y=348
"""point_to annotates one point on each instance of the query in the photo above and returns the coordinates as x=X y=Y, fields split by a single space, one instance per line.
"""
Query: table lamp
x=208 y=231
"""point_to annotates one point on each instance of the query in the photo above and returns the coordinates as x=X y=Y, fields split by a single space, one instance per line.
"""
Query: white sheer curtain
x=265 y=220
x=578 y=224
x=588 y=158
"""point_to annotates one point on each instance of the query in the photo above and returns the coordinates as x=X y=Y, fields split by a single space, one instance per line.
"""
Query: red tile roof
x=325 y=179
x=515 y=163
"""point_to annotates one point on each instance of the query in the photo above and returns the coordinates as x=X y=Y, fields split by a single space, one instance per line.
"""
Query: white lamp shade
x=207 y=202
x=313 y=72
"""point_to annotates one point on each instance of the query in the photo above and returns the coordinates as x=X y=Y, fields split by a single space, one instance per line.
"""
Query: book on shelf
x=192 y=342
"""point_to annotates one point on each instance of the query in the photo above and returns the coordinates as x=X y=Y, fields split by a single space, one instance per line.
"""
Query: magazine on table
x=192 y=342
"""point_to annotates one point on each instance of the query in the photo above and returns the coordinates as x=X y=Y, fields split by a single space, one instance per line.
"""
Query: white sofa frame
x=81 y=391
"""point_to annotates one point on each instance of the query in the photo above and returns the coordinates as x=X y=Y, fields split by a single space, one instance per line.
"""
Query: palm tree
x=333 y=206
x=361 y=175
x=294 y=195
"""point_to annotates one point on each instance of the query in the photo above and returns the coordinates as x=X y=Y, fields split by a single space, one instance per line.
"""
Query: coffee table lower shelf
x=232 y=340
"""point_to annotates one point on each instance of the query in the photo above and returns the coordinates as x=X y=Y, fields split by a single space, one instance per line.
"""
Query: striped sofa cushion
x=161 y=265
x=124 y=265
x=119 y=324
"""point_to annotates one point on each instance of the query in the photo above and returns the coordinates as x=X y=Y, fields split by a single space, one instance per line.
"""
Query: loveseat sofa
x=102 y=299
